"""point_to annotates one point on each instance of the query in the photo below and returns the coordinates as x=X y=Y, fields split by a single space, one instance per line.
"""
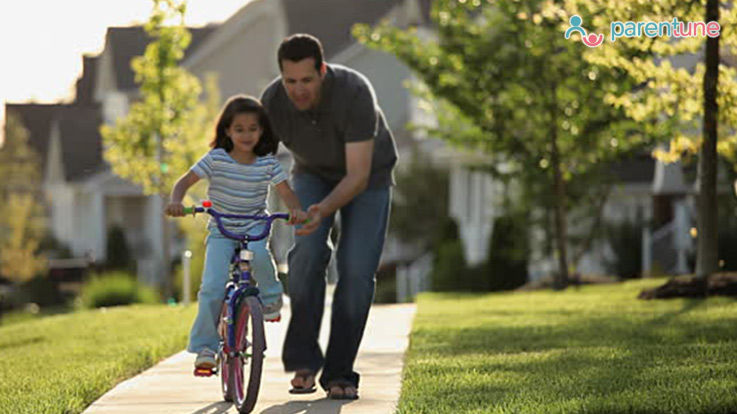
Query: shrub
x=118 y=254
x=386 y=285
x=508 y=251
x=113 y=289
x=625 y=238
x=449 y=267
x=505 y=267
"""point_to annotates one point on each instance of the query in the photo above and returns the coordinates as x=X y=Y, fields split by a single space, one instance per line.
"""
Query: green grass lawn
x=593 y=350
x=61 y=364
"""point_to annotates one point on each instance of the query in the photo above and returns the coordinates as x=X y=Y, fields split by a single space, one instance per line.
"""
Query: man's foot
x=342 y=392
x=303 y=382
x=272 y=311
x=206 y=359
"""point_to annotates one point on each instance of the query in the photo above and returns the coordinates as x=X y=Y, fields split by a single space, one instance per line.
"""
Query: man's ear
x=323 y=69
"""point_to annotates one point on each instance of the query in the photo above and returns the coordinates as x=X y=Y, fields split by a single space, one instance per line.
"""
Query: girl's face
x=244 y=131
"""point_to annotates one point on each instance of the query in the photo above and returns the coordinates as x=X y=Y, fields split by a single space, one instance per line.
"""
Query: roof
x=129 y=42
x=86 y=83
x=331 y=20
x=37 y=120
x=639 y=168
x=81 y=142
x=79 y=131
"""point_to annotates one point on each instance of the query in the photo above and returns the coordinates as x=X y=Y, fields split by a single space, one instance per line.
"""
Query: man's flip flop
x=306 y=378
x=342 y=395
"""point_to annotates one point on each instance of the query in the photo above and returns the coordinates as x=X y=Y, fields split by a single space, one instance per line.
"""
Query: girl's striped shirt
x=237 y=188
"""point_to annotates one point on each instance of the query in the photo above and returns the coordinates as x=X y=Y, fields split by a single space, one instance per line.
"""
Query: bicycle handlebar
x=240 y=237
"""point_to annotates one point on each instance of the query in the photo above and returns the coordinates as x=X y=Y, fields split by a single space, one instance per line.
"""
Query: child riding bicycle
x=240 y=168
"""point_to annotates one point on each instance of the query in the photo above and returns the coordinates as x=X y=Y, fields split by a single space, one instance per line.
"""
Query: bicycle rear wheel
x=251 y=344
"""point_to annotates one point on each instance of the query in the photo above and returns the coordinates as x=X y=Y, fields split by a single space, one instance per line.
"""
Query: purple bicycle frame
x=235 y=288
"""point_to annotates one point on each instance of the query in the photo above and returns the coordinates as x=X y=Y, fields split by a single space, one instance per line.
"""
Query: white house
x=86 y=198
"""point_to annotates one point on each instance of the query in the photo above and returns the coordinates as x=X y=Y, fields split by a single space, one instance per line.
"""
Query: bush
x=505 y=267
x=118 y=254
x=449 y=267
x=625 y=239
x=40 y=290
x=386 y=285
x=508 y=250
x=114 y=289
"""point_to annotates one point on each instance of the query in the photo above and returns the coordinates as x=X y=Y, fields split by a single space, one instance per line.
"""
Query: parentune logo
x=630 y=29
x=590 y=40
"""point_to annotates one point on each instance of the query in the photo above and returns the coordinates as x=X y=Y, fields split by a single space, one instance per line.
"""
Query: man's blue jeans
x=363 y=224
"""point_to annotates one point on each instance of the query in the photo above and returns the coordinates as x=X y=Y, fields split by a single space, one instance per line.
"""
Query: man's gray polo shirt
x=347 y=112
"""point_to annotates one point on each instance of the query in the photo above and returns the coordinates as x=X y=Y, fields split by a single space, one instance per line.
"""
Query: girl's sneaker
x=206 y=359
x=272 y=311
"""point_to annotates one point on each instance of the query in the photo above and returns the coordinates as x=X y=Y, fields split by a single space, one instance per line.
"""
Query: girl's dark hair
x=300 y=46
x=242 y=104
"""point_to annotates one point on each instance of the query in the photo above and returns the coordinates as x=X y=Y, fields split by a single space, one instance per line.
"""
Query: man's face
x=303 y=82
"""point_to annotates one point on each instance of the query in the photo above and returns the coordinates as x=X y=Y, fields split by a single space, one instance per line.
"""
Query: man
x=344 y=155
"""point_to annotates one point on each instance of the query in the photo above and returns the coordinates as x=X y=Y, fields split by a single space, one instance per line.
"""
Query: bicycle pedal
x=204 y=372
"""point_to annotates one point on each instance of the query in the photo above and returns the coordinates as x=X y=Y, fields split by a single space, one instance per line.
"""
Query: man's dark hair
x=300 y=46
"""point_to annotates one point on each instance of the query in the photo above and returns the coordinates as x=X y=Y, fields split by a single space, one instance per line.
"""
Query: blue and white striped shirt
x=237 y=188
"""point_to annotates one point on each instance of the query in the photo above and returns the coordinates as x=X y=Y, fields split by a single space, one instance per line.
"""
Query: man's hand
x=314 y=214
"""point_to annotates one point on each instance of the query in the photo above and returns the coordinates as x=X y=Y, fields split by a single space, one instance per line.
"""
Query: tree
x=22 y=223
x=420 y=201
x=163 y=133
x=666 y=92
x=504 y=81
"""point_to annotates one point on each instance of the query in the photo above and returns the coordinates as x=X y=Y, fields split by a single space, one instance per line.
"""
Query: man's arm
x=358 y=169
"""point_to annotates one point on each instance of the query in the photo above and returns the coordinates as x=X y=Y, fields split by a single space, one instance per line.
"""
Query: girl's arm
x=296 y=215
x=175 y=207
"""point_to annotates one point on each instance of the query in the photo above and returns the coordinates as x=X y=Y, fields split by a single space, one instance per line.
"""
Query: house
x=86 y=199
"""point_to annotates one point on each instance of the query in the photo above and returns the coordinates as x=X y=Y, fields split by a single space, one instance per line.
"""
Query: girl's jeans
x=215 y=276
x=363 y=225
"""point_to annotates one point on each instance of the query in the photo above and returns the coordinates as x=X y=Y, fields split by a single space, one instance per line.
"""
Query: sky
x=42 y=41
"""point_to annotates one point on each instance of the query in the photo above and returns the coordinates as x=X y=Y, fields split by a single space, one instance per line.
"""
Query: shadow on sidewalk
x=321 y=406
x=215 y=408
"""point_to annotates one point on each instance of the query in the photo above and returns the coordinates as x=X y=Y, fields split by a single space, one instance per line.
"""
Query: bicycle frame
x=240 y=284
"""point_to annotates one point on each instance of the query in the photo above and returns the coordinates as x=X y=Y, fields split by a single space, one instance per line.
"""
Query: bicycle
x=239 y=345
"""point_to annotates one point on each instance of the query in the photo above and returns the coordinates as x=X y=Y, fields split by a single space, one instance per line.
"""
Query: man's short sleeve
x=277 y=172
x=203 y=167
x=363 y=119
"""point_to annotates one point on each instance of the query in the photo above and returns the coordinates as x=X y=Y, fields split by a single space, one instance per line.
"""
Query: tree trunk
x=707 y=254
x=559 y=188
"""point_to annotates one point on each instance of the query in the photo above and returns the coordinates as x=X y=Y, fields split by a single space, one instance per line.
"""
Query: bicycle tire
x=251 y=344
x=225 y=386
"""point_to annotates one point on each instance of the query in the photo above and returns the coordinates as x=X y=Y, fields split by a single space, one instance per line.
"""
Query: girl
x=240 y=167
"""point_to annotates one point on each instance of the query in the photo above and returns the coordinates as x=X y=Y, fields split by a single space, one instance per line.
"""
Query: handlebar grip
x=289 y=217
x=192 y=210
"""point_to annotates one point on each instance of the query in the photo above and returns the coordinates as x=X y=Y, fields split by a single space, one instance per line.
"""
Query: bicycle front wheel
x=245 y=369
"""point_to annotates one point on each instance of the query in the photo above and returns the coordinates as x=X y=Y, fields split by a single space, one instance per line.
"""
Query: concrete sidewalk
x=170 y=386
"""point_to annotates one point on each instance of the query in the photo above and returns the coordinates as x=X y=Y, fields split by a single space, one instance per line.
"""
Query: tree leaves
x=168 y=112
x=22 y=223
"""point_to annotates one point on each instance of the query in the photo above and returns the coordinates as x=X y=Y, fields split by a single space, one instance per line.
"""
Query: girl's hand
x=174 y=210
x=297 y=216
